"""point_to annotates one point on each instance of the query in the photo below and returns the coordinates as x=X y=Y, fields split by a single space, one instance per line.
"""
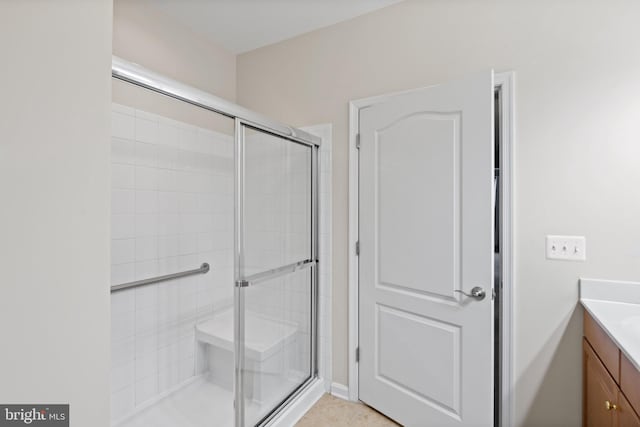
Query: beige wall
x=146 y=36
x=578 y=144
x=54 y=181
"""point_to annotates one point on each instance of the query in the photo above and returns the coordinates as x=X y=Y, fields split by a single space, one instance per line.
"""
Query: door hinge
x=357 y=247
x=357 y=354
x=358 y=141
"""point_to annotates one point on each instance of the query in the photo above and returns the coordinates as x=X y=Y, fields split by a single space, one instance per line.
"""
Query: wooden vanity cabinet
x=606 y=379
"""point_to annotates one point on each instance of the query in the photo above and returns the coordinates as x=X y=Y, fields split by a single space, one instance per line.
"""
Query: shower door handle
x=477 y=293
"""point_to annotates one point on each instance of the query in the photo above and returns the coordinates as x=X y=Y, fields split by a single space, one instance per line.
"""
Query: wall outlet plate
x=567 y=248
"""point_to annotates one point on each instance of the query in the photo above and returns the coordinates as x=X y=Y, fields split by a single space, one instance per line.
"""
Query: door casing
x=505 y=82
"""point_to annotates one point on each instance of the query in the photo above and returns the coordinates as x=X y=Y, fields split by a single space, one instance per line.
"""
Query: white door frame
x=504 y=81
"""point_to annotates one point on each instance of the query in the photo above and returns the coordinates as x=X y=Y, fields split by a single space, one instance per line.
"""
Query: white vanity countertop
x=615 y=306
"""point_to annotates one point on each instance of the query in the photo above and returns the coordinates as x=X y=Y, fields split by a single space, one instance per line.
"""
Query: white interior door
x=426 y=232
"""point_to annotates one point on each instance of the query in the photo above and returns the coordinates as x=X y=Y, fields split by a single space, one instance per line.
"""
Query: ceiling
x=244 y=25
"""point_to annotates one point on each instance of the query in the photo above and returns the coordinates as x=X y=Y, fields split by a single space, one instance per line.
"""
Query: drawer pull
x=610 y=406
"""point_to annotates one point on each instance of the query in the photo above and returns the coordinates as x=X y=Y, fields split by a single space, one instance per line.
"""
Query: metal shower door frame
x=242 y=282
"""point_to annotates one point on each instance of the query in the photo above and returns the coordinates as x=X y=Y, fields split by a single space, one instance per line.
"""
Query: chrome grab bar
x=204 y=268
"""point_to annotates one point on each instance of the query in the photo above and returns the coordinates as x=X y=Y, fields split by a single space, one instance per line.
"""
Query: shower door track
x=140 y=76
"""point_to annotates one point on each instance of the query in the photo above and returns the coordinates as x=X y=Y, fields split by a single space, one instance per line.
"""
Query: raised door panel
x=417 y=205
x=625 y=416
x=630 y=382
x=401 y=357
x=599 y=388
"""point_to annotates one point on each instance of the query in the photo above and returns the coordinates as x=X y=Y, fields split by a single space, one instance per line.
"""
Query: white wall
x=578 y=98
x=54 y=181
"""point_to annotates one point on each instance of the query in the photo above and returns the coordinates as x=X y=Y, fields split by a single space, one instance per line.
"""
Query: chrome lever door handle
x=477 y=292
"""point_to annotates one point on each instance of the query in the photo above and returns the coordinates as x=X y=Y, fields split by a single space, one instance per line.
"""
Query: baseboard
x=300 y=406
x=340 y=391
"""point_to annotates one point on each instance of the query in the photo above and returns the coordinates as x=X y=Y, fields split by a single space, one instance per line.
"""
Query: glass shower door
x=275 y=271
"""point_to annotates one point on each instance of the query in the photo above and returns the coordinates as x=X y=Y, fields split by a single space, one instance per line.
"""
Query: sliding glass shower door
x=276 y=260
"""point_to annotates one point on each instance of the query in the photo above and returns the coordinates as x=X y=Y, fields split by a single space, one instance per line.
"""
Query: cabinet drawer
x=604 y=347
x=630 y=382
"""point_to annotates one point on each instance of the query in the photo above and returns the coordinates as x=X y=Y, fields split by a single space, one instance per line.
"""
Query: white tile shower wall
x=172 y=210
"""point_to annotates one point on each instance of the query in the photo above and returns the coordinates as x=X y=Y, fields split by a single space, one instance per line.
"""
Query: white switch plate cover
x=567 y=248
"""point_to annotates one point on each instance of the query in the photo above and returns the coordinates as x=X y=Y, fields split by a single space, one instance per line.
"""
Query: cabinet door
x=630 y=382
x=600 y=391
x=625 y=416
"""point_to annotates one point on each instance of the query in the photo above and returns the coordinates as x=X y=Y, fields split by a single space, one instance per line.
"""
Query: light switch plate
x=567 y=248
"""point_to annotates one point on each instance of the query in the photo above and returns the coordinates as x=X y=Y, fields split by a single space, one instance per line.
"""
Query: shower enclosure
x=214 y=257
